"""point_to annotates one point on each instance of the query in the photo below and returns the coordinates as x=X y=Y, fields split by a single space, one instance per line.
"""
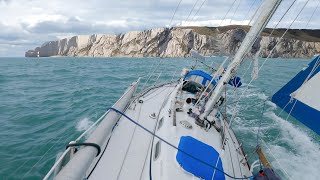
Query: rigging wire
x=275 y=159
x=192 y=10
x=192 y=20
x=175 y=11
x=163 y=53
x=268 y=57
x=41 y=158
x=293 y=2
x=23 y=164
x=312 y=14
x=234 y=13
x=247 y=87
x=234 y=1
x=255 y=13
x=250 y=62
x=151 y=74
x=251 y=6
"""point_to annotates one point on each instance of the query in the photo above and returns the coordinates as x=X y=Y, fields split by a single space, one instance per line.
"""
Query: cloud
x=26 y=23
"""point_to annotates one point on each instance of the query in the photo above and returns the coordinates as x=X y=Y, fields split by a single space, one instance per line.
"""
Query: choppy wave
x=301 y=159
x=292 y=150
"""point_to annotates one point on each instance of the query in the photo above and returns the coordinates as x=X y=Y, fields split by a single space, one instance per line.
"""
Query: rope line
x=173 y=146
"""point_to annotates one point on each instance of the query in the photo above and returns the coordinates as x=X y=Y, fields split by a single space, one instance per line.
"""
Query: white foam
x=262 y=96
x=83 y=124
x=272 y=105
x=249 y=85
x=301 y=159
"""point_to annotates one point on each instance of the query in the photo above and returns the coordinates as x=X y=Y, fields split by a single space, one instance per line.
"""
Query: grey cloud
x=5 y=1
x=72 y=25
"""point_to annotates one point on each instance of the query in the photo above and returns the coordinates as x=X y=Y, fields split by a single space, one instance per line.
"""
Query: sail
x=301 y=96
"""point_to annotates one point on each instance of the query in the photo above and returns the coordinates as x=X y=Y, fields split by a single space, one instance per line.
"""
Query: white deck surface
x=127 y=155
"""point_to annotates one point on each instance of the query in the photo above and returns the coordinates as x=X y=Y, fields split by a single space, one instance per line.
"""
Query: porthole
x=160 y=123
x=157 y=150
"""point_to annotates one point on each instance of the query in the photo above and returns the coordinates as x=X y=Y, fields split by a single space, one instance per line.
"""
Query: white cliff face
x=174 y=42
x=289 y=47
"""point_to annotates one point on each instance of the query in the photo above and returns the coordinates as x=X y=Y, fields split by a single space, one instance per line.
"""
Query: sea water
x=47 y=102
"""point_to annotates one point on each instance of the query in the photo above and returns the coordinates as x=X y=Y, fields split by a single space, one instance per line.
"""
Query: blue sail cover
x=206 y=76
x=236 y=81
x=305 y=97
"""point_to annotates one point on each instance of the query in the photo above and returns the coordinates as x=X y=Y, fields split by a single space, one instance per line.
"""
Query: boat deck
x=127 y=155
x=129 y=145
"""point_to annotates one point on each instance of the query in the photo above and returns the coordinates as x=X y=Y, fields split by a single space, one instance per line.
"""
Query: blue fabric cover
x=302 y=112
x=206 y=76
x=200 y=151
x=236 y=81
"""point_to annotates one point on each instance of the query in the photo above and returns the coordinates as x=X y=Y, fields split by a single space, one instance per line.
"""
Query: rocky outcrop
x=174 y=42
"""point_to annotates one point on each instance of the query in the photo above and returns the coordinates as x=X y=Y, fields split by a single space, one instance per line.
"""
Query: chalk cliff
x=177 y=42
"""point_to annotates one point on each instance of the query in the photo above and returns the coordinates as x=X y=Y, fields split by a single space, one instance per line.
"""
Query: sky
x=26 y=24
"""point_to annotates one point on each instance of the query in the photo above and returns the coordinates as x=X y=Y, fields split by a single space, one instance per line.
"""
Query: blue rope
x=163 y=140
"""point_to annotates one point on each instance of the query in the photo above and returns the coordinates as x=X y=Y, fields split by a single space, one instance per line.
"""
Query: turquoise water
x=45 y=103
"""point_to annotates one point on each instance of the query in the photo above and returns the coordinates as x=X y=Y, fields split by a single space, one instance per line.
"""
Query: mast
x=269 y=7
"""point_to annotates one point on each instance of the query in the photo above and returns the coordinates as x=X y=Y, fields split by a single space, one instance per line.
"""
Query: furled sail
x=300 y=97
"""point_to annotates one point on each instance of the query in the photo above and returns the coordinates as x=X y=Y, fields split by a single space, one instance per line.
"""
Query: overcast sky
x=25 y=24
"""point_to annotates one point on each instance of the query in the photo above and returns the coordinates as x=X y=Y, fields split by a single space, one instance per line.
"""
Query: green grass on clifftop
x=309 y=35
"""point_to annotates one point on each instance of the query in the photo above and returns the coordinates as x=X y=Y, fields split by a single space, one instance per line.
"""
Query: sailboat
x=176 y=130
